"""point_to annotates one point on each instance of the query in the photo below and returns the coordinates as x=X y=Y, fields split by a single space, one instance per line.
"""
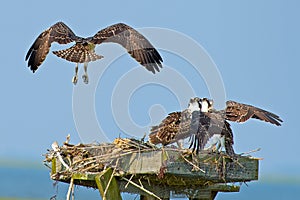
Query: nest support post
x=107 y=185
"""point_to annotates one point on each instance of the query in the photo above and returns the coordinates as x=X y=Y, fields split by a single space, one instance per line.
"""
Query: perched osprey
x=213 y=128
x=210 y=129
x=83 y=51
x=175 y=127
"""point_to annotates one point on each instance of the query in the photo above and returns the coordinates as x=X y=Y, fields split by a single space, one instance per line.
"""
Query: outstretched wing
x=239 y=112
x=37 y=53
x=134 y=42
x=166 y=131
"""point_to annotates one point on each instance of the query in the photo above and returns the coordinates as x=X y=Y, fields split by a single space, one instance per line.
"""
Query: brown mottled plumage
x=239 y=112
x=79 y=53
x=165 y=132
x=211 y=122
x=37 y=53
x=83 y=51
x=175 y=127
x=207 y=127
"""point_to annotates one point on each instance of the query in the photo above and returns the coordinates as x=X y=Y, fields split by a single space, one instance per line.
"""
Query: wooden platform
x=156 y=173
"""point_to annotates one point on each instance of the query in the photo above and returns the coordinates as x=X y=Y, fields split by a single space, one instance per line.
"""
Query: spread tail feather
x=78 y=53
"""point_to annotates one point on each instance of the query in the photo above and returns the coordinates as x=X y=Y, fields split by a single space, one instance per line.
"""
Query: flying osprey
x=175 y=127
x=83 y=51
x=213 y=128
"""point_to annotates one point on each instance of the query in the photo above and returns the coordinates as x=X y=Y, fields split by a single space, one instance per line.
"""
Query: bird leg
x=218 y=147
x=85 y=75
x=221 y=144
x=75 y=77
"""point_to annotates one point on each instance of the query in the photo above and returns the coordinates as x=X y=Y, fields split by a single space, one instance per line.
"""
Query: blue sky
x=254 y=44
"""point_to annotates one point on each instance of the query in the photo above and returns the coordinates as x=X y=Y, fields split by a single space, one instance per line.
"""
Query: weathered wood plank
x=212 y=167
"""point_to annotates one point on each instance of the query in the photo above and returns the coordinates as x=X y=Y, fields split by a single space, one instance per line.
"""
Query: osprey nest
x=141 y=168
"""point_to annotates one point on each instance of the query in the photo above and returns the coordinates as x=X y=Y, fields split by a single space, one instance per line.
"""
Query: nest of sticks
x=92 y=159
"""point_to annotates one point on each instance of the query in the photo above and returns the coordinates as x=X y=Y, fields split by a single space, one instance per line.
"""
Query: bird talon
x=85 y=79
x=74 y=80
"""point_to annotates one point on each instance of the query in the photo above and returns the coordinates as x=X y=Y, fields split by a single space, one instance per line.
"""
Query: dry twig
x=141 y=188
x=71 y=189
x=195 y=166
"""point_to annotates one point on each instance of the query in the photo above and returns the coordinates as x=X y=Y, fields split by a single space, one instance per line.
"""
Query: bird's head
x=194 y=104
x=206 y=104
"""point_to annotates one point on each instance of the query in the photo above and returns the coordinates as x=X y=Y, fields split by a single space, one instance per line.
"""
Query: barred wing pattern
x=134 y=42
x=239 y=112
x=37 y=53
x=176 y=126
x=185 y=127
x=165 y=132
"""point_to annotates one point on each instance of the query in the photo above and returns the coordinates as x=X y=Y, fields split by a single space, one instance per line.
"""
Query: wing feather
x=134 y=42
x=210 y=124
x=37 y=53
x=165 y=132
x=239 y=112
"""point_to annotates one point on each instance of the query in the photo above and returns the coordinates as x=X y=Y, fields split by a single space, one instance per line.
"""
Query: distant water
x=35 y=183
